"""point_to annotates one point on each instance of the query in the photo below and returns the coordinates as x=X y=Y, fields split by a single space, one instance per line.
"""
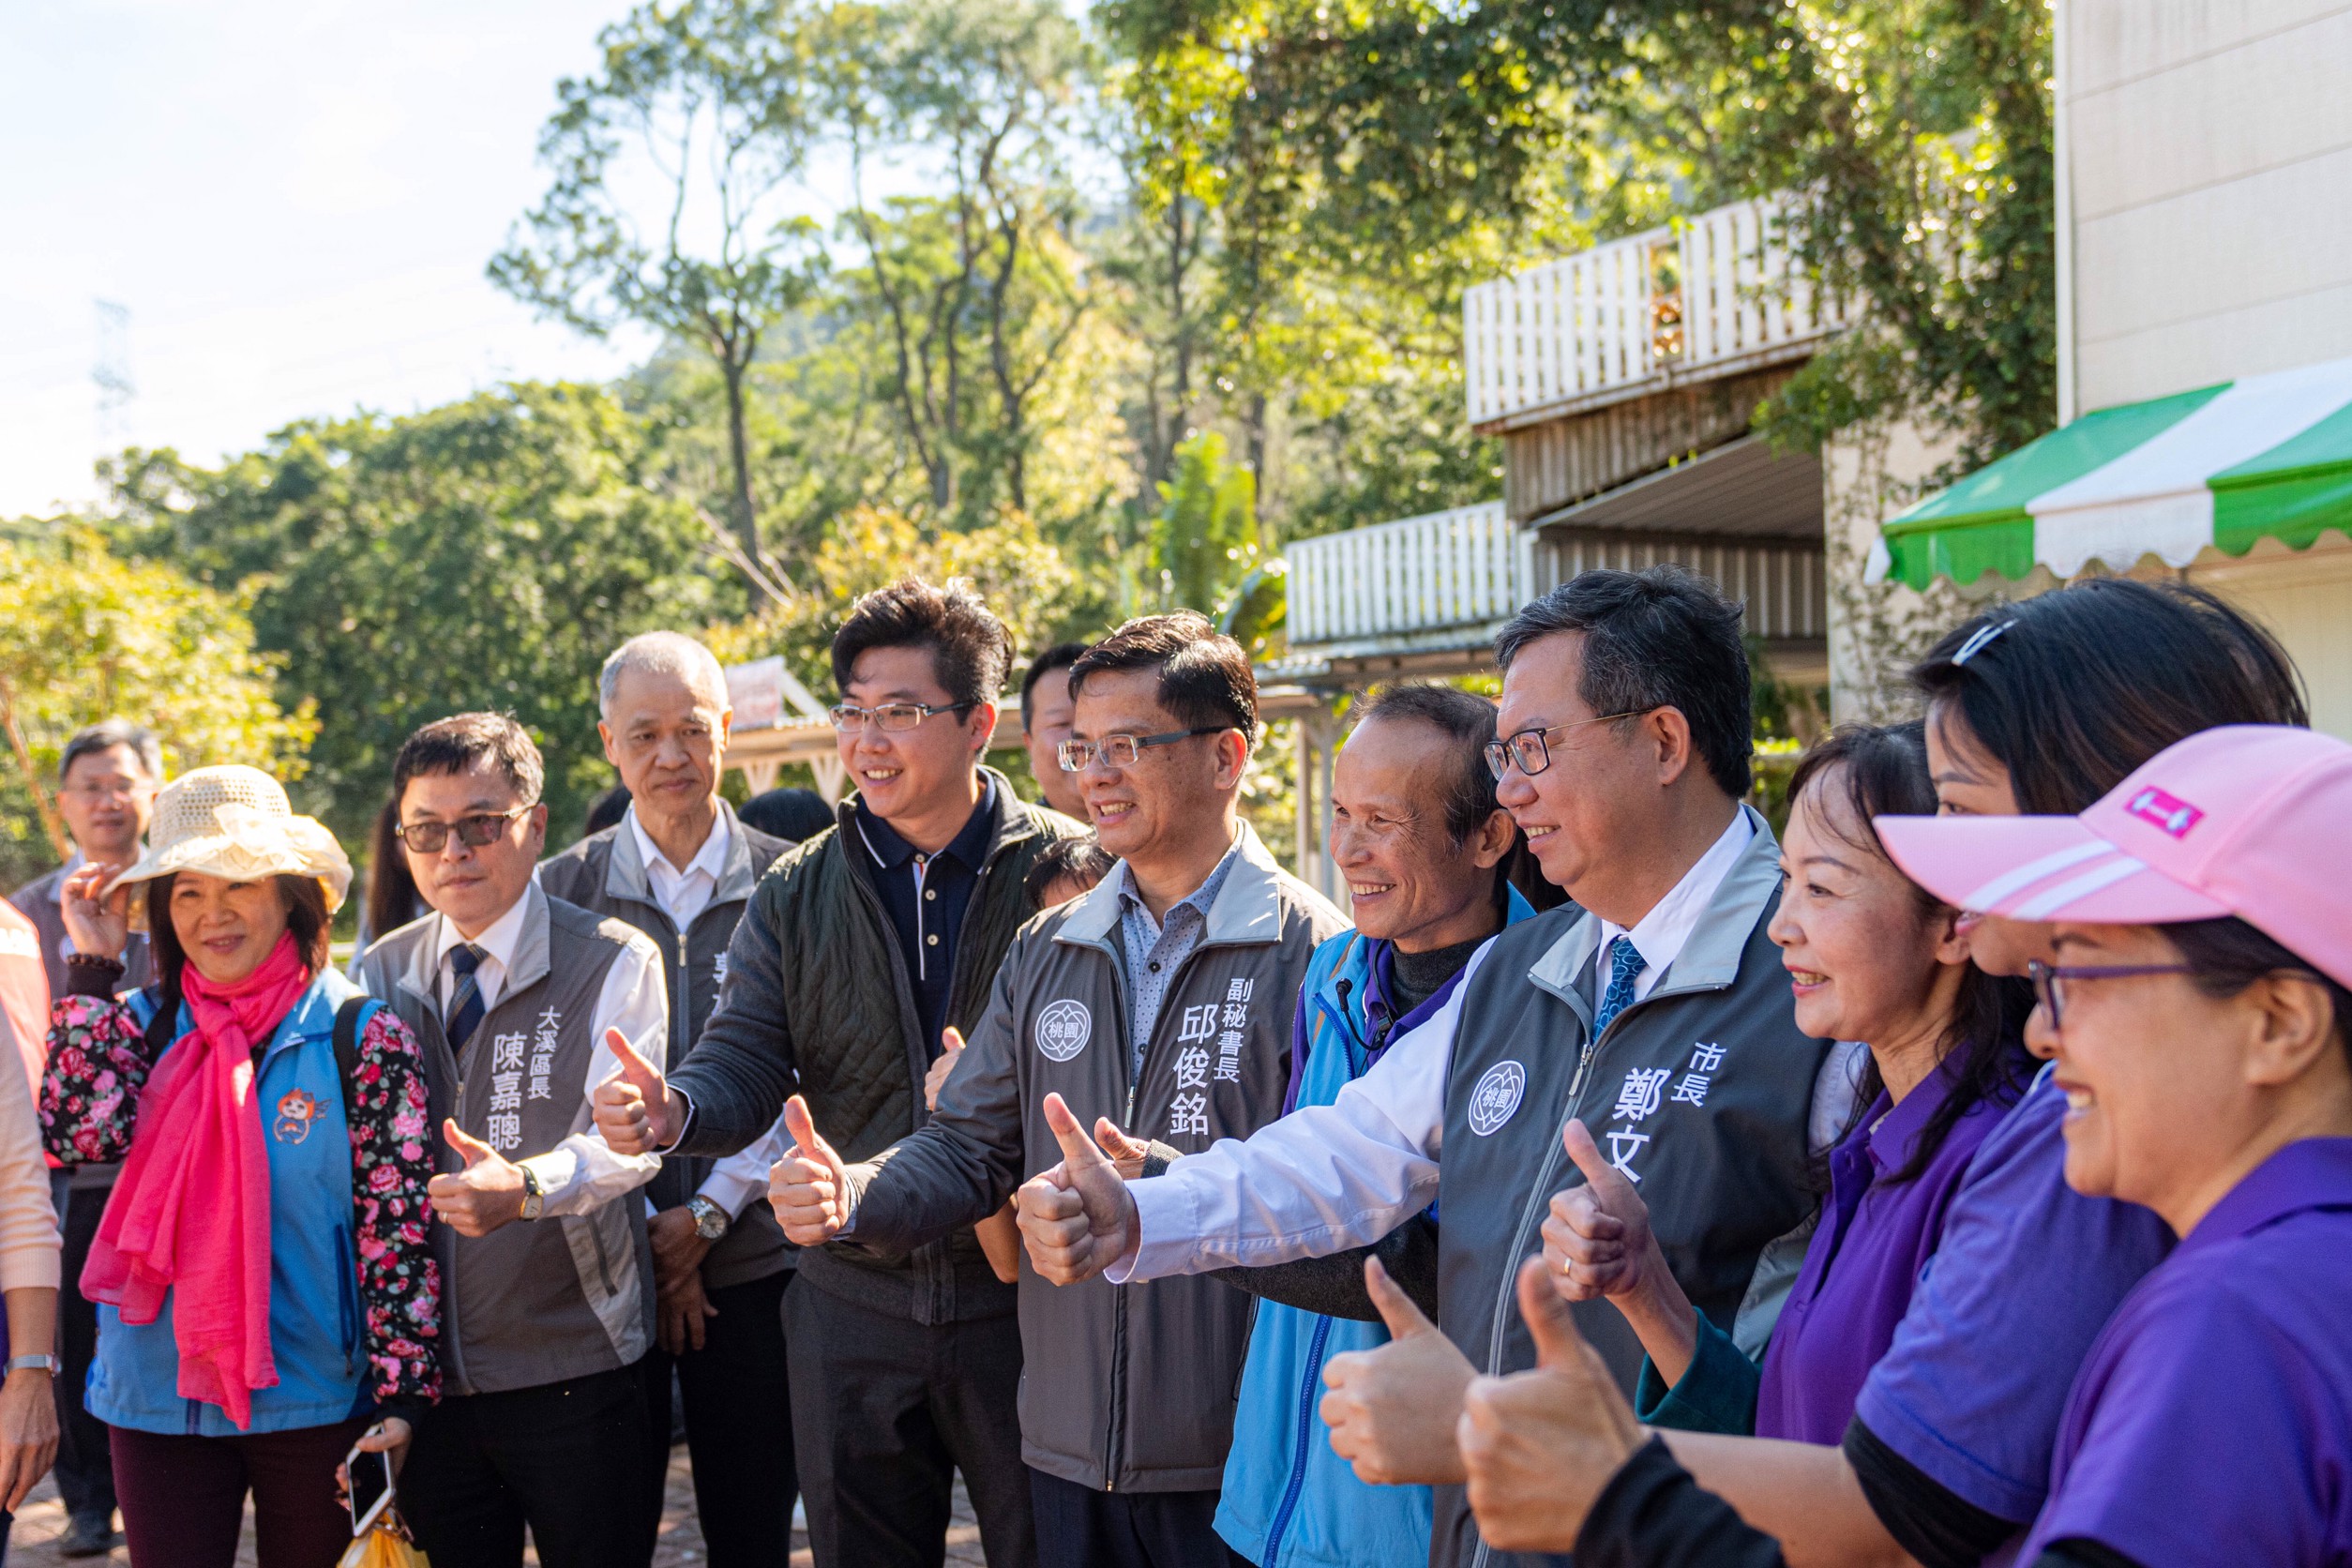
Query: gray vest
x=37 y=901
x=1703 y=1091
x=605 y=874
x=533 y=1301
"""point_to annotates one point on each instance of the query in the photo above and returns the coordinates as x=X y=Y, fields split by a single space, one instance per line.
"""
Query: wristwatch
x=49 y=1364
x=710 y=1220
x=533 y=1195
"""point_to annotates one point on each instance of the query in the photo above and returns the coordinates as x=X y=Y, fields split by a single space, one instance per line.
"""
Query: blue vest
x=316 y=1318
x=1289 y=1500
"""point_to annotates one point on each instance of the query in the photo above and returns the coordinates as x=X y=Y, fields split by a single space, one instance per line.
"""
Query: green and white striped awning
x=2269 y=457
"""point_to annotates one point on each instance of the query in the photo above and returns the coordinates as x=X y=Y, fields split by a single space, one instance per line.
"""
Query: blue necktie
x=465 y=1003
x=1625 y=965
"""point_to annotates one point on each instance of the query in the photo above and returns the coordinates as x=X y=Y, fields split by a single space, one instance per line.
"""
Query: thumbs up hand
x=808 y=1188
x=1538 y=1447
x=634 y=1107
x=487 y=1194
x=1598 y=1244
x=951 y=1049
x=1076 y=1218
x=1392 y=1412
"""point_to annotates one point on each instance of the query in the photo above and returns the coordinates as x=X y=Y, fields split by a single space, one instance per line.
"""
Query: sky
x=294 y=200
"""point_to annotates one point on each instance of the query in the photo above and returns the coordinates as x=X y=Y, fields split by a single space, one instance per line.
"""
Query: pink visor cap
x=2250 y=820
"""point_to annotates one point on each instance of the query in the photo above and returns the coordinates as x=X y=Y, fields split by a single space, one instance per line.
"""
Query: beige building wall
x=2209 y=147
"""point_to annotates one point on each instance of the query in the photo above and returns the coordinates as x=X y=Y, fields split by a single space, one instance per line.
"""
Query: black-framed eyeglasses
x=1120 y=751
x=472 y=832
x=897 y=718
x=1528 y=748
x=2051 y=980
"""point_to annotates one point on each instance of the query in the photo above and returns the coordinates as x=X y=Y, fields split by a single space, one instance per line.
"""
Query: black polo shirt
x=927 y=897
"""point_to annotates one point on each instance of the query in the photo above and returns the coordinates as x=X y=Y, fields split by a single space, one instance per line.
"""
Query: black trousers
x=1078 y=1527
x=739 y=1425
x=884 y=1412
x=566 y=1458
x=85 y=1468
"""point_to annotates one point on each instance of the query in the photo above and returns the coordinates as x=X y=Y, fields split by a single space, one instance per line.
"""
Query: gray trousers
x=884 y=1412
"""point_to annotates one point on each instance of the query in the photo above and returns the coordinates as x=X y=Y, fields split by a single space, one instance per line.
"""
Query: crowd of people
x=1960 y=1174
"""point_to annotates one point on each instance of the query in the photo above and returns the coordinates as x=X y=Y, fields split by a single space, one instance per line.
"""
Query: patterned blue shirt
x=1156 y=949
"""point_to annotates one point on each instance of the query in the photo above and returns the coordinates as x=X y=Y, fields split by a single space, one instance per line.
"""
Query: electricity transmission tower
x=110 y=371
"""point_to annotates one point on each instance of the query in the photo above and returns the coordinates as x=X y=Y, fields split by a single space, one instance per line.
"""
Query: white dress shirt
x=1326 y=1178
x=682 y=893
x=583 y=1173
x=736 y=1181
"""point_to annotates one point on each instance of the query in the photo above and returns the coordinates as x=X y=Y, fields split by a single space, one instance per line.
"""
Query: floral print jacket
x=97 y=1065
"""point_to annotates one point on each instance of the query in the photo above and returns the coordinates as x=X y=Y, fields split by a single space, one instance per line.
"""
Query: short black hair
x=1205 y=678
x=105 y=735
x=461 y=743
x=790 y=813
x=1078 y=858
x=970 y=650
x=1060 y=657
x=1655 y=639
x=2071 y=690
x=1467 y=720
x=606 y=810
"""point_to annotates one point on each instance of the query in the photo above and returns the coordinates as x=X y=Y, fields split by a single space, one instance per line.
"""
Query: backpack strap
x=350 y=1018
x=165 y=1021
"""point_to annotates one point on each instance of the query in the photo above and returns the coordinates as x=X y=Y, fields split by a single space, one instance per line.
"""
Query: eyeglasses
x=2050 y=980
x=897 y=718
x=1528 y=748
x=472 y=832
x=131 y=791
x=1120 y=751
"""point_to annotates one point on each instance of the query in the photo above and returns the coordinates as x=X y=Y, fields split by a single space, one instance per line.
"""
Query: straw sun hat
x=234 y=821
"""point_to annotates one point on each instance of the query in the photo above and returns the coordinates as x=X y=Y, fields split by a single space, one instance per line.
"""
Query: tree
x=1205 y=539
x=85 y=635
x=978 y=292
x=1400 y=141
x=485 y=555
x=711 y=94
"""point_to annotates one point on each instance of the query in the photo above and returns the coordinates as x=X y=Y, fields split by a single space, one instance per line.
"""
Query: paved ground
x=32 y=1544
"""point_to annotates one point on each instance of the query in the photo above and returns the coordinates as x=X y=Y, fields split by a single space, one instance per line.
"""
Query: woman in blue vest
x=267 y=1294
x=1416 y=833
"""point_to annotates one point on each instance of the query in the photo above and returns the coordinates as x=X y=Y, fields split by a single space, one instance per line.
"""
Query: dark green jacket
x=818 y=1000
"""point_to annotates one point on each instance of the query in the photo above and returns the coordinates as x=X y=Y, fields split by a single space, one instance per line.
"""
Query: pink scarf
x=198 y=1155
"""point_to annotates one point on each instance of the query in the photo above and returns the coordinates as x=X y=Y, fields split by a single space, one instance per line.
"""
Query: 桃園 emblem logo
x=1063 y=1029
x=1497 y=1097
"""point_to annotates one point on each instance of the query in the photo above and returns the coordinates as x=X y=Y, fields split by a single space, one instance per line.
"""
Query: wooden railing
x=1706 y=295
x=1465 y=568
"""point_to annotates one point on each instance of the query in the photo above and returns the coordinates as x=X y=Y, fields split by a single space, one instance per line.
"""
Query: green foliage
x=85 y=635
x=709 y=96
x=1205 y=539
x=486 y=555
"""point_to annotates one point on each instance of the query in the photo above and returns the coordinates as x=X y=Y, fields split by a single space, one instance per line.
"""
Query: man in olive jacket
x=859 y=947
x=1160 y=1003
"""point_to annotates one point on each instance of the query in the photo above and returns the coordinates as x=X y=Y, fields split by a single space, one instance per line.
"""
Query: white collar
x=711 y=859
x=1660 y=935
x=498 y=940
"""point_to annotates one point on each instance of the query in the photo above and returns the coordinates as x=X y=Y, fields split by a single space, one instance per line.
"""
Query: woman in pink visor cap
x=2197 y=1010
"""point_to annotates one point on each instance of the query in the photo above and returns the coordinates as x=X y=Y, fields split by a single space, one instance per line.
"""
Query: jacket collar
x=422 y=978
x=1710 y=961
x=1247 y=911
x=625 y=872
x=1011 y=820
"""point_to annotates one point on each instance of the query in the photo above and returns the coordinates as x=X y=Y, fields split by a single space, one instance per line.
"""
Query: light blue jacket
x=316 y=1325
x=1289 y=1500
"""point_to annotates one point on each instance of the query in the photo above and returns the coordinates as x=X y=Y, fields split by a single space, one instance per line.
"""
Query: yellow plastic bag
x=384 y=1546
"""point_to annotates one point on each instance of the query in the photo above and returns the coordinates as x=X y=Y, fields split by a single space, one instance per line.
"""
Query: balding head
x=661 y=653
